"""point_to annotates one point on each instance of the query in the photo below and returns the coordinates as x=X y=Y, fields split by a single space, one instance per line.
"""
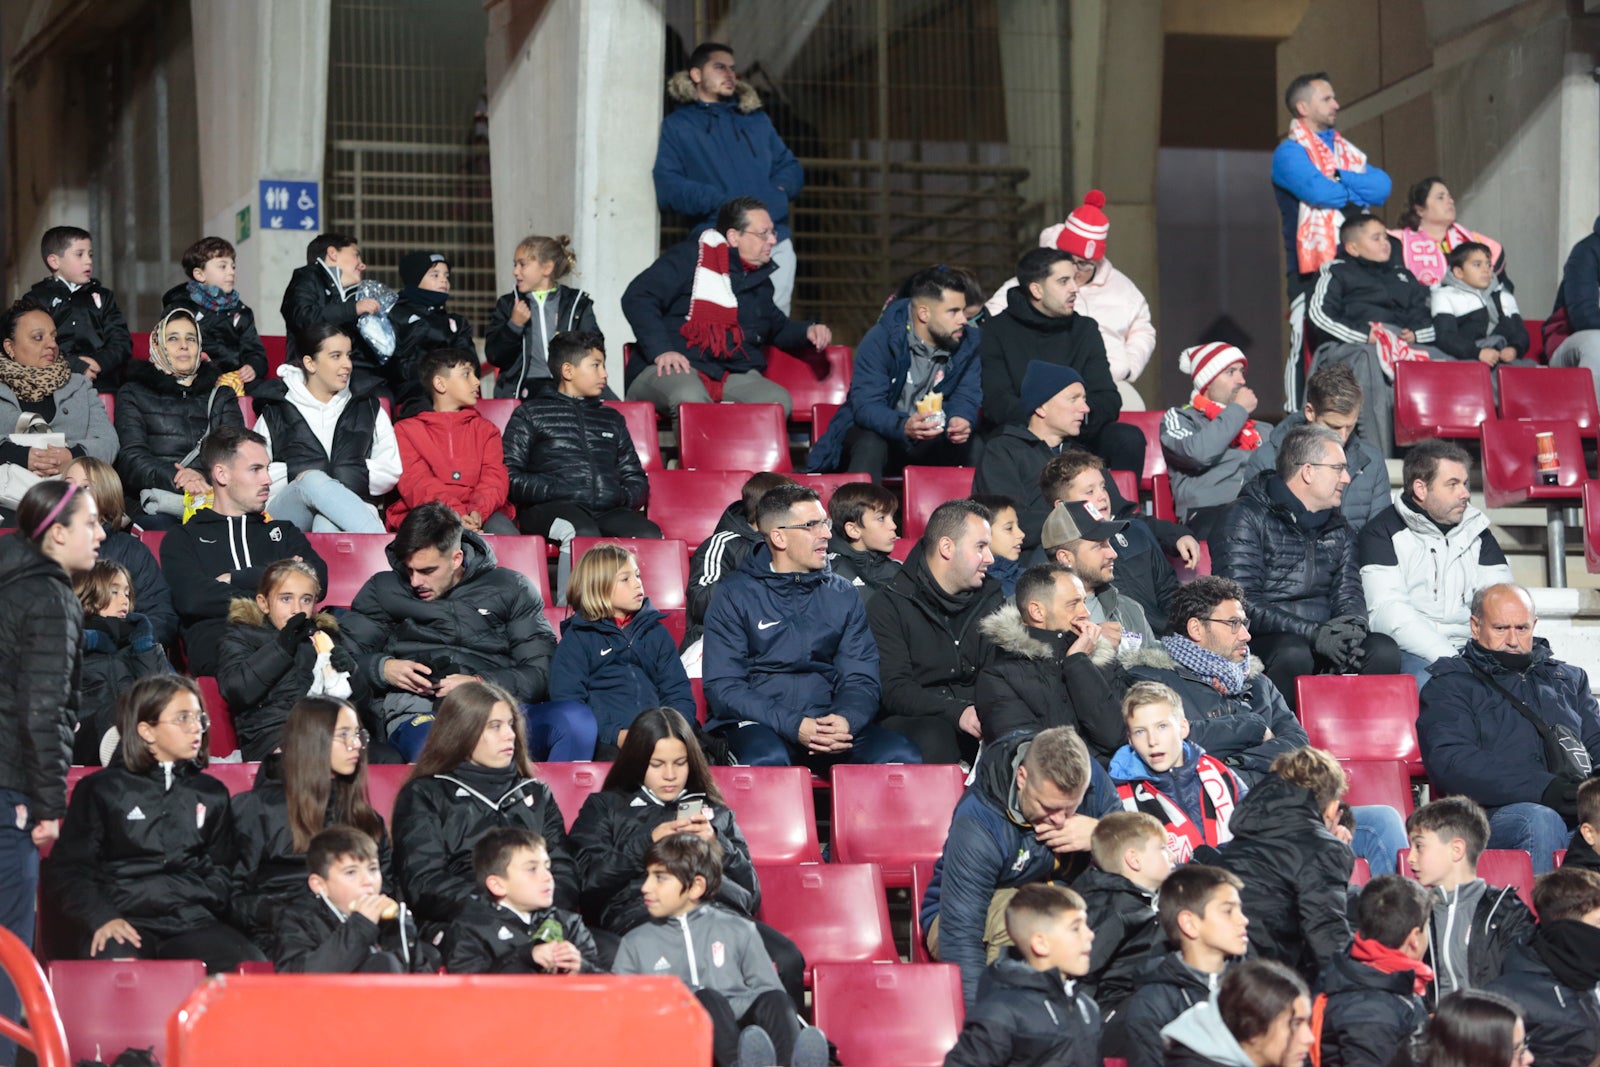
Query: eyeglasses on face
x=187 y=719
x=811 y=527
x=1234 y=625
x=353 y=738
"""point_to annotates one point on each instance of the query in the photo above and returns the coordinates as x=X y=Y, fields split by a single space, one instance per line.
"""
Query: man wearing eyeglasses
x=1293 y=553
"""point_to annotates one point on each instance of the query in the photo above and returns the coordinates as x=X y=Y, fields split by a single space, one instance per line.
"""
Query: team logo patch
x=719 y=955
x=275 y=534
x=133 y=816
x=98 y=303
x=199 y=816
x=505 y=934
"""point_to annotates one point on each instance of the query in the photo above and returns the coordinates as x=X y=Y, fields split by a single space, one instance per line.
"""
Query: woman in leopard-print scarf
x=37 y=386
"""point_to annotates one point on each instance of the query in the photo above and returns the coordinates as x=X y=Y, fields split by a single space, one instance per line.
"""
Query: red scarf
x=1388 y=960
x=713 y=322
x=1317 y=228
x=1249 y=438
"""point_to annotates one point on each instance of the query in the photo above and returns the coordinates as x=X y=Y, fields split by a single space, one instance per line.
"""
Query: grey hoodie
x=709 y=948
x=1201 y=1030
x=1450 y=932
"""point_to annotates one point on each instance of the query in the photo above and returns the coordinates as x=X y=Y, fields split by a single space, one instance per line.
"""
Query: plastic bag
x=376 y=329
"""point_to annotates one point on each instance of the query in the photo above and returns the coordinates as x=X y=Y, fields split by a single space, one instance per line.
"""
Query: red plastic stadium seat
x=828 y=484
x=141 y=345
x=893 y=815
x=1127 y=484
x=351 y=559
x=151 y=539
x=741 y=436
x=687 y=504
x=676 y=620
x=664 y=565
x=1536 y=340
x=498 y=410
x=1549 y=393
x=1379 y=782
x=110 y=401
x=1361 y=874
x=640 y=415
x=1510 y=461
x=1149 y=423
x=383 y=786
x=1560 y=856
x=555 y=615
x=1591 y=525
x=1508 y=866
x=238 y=777
x=247 y=411
x=277 y=346
x=921 y=877
x=835 y=912
x=571 y=784
x=775 y=811
x=108 y=1006
x=698 y=685
x=884 y=1015
x=525 y=554
x=813 y=378
x=1189 y=574
x=821 y=415
x=1437 y=398
x=1362 y=717
x=926 y=489
x=224 y=741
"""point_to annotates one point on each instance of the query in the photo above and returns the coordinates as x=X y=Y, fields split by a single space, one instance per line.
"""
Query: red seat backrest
x=687 y=504
x=733 y=436
x=383 y=786
x=832 y=911
x=893 y=815
x=775 y=811
x=571 y=784
x=1362 y=717
x=351 y=559
x=1510 y=461
x=640 y=415
x=889 y=1015
x=1155 y=460
x=525 y=554
x=828 y=484
x=1440 y=398
x=498 y=410
x=1550 y=393
x=821 y=415
x=108 y=1006
x=224 y=740
x=664 y=565
x=1379 y=782
x=928 y=487
x=813 y=378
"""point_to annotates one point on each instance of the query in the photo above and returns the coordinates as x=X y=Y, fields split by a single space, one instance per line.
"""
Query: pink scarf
x=1426 y=258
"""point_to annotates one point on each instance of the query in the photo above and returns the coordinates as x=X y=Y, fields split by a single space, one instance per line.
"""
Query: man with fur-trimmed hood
x=719 y=144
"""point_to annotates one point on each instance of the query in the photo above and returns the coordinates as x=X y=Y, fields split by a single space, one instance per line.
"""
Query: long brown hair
x=144 y=701
x=653 y=725
x=458 y=723
x=308 y=783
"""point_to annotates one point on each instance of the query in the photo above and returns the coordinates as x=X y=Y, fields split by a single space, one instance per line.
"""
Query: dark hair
x=318 y=249
x=1302 y=445
x=950 y=520
x=431 y=525
x=735 y=213
x=1062 y=469
x=1254 y=994
x=1457 y=256
x=1300 y=88
x=703 y=52
x=308 y=339
x=1390 y=907
x=556 y=251
x=1472 y=1027
x=755 y=487
x=13 y=316
x=777 y=502
x=1039 y=904
x=1354 y=223
x=1565 y=893
x=203 y=251
x=1589 y=803
x=491 y=855
x=1190 y=888
x=34 y=518
x=1038 y=583
x=995 y=503
x=93 y=586
x=1335 y=389
x=327 y=846
x=686 y=856
x=221 y=444
x=932 y=283
x=144 y=701
x=1200 y=598
x=650 y=727
x=1422 y=462
x=570 y=346
x=1449 y=818
x=458 y=723
x=1036 y=263
x=309 y=784
x=851 y=502
x=1416 y=200
x=440 y=362
x=57 y=239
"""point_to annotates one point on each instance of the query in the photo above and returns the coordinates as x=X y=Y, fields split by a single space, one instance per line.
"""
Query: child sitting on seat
x=515 y=927
x=119 y=647
x=864 y=534
x=527 y=318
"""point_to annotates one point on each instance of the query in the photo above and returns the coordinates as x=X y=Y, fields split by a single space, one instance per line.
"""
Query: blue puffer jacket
x=620 y=671
x=882 y=361
x=782 y=647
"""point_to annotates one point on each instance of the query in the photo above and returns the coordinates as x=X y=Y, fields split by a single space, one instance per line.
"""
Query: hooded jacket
x=520 y=354
x=1364 y=498
x=878 y=378
x=1199 y=1038
x=420 y=328
x=865 y=569
x=350 y=436
x=1499 y=921
x=783 y=647
x=1207 y=471
x=1475 y=743
x=709 y=153
x=313 y=938
x=1028 y=1018
x=1579 y=291
x=1126 y=935
x=88 y=323
x=1014 y=339
x=240 y=546
x=1418 y=579
x=619 y=671
x=1563 y=1023
x=1030 y=682
x=1461 y=318
x=1010 y=465
x=1351 y=294
x=930 y=643
x=1295 y=577
x=991 y=847
x=116 y=653
x=229 y=337
x=1581 y=854
x=709 y=948
x=160 y=421
x=1164 y=989
x=612 y=835
x=1371 y=1019
x=315 y=295
x=561 y=448
x=41 y=632
x=454 y=457
x=1296 y=876
x=152 y=596
x=718 y=556
x=491 y=938
x=80 y=417
x=261 y=680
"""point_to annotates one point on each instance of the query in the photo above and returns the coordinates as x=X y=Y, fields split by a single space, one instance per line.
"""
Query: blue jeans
x=755 y=745
x=315 y=501
x=560 y=731
x=1537 y=830
x=1417 y=667
x=19 y=890
x=1379 y=837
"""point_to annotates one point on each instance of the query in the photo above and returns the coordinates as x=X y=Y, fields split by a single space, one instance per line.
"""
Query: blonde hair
x=1144 y=694
x=93 y=586
x=1120 y=831
x=105 y=486
x=1313 y=769
x=593 y=576
x=557 y=250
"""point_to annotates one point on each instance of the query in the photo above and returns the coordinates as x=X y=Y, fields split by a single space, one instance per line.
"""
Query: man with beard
x=915 y=389
x=1210 y=441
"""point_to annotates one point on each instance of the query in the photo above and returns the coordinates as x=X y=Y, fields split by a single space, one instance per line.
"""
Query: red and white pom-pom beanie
x=713 y=311
x=1204 y=362
x=1084 y=235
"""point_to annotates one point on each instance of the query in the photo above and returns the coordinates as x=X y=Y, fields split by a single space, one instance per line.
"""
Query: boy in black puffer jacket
x=422 y=325
x=1555 y=976
x=1374 y=1015
x=229 y=326
x=1119 y=892
x=515 y=928
x=862 y=514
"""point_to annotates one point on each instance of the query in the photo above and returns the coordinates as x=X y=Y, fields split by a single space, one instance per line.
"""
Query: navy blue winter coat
x=620 y=671
x=1579 y=291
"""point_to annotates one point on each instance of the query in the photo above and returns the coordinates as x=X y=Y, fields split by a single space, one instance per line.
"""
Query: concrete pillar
x=1034 y=46
x=575 y=94
x=262 y=75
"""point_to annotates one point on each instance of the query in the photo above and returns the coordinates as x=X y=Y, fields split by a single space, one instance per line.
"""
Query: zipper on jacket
x=688 y=946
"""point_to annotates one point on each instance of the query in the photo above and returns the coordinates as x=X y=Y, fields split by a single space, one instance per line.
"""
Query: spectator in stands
x=1474 y=923
x=790 y=665
x=89 y=326
x=1077 y=535
x=1370 y=313
x=332 y=446
x=1294 y=857
x=1211 y=440
x=1333 y=399
x=718 y=144
x=1429 y=233
x=324 y=291
x=1130 y=864
x=1474 y=315
x=1144 y=572
x=1290 y=549
x=1030 y=790
x=140 y=869
x=915 y=389
x=516 y=345
x=422 y=325
x=451 y=453
x=1316 y=176
x=1013 y=458
x=1040 y=324
x=1572 y=332
x=574 y=470
x=447 y=614
x=1425 y=555
x=703 y=314
x=168 y=403
x=1581 y=851
x=1506 y=723
x=342 y=922
x=927 y=625
x=864 y=533
x=1374 y=1009
x=221 y=552
x=1048 y=665
x=150 y=589
x=661 y=784
x=1477 y=1026
x=616 y=656
x=1053 y=934
x=725 y=551
x=1261 y=1015
x=232 y=344
x=513 y=925
x=1106 y=296
x=318 y=779
x=1202 y=917
x=278 y=650
x=119 y=647
x=1553 y=977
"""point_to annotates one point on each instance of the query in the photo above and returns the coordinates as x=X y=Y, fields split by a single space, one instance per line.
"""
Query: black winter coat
x=41 y=635
x=1294 y=577
x=1126 y=935
x=1581 y=854
x=867 y=570
x=1296 y=877
x=116 y=653
x=1031 y=683
x=88 y=323
x=718 y=556
x=1371 y=1019
x=152 y=596
x=139 y=848
x=1020 y=335
x=438 y=819
x=1164 y=989
x=520 y=353
x=486 y=938
x=1027 y=1018
x=418 y=330
x=1500 y=922
x=229 y=338
x=565 y=448
x=311 y=939
x=314 y=296
x=295 y=444
x=1563 y=1023
x=261 y=680
x=160 y=421
x=612 y=835
x=1351 y=294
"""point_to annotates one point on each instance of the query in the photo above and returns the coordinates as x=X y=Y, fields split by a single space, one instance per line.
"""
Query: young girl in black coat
x=137 y=868
x=119 y=646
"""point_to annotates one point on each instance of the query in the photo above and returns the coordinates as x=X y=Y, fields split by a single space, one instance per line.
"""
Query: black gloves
x=341 y=660
x=1561 y=795
x=296 y=629
x=1339 y=641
